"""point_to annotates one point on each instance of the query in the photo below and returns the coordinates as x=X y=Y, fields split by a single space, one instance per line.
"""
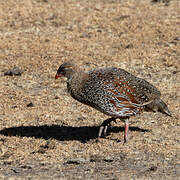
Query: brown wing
x=122 y=97
x=110 y=91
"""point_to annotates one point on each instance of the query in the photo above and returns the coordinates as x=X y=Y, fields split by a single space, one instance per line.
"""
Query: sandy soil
x=44 y=133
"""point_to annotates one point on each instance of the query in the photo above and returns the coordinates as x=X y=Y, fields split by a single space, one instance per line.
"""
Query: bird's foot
x=104 y=126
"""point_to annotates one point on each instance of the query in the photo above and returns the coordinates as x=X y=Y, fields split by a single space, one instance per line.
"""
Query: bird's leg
x=104 y=126
x=126 y=131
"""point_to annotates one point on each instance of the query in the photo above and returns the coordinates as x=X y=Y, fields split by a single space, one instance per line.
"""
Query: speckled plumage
x=112 y=91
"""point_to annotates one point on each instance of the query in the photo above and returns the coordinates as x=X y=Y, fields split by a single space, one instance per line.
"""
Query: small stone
x=26 y=167
x=175 y=72
x=14 y=106
x=122 y=18
x=99 y=30
x=129 y=46
x=76 y=161
x=30 y=104
x=56 y=97
x=84 y=35
x=16 y=170
x=108 y=159
x=161 y=1
x=177 y=38
x=13 y=72
x=153 y=168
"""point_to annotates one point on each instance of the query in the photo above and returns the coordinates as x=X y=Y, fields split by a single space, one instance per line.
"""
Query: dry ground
x=57 y=137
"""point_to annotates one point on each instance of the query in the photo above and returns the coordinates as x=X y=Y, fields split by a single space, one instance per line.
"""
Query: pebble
x=13 y=72
x=30 y=104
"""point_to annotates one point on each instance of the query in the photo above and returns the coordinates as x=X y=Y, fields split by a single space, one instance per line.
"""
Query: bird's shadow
x=62 y=133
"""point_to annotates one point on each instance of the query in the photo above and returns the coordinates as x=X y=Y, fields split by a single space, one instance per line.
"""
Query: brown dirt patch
x=55 y=137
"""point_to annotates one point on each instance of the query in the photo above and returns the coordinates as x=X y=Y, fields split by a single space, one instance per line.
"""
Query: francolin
x=112 y=91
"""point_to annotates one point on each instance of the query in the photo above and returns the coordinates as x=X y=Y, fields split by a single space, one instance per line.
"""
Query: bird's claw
x=104 y=126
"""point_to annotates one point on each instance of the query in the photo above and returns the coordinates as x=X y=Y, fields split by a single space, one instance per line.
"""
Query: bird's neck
x=76 y=81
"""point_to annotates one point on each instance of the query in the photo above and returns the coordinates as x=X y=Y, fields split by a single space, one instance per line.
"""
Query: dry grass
x=57 y=137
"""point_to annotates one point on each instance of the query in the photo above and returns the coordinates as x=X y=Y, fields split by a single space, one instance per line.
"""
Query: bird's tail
x=162 y=107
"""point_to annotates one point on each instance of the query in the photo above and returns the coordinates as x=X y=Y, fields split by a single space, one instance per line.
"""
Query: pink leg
x=126 y=130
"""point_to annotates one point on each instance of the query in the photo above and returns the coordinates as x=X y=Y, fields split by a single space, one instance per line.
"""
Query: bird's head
x=66 y=70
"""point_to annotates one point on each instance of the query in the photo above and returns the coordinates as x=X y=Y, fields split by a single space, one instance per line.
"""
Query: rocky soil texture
x=44 y=133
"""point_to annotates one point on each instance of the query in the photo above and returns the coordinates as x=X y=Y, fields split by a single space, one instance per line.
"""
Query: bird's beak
x=57 y=76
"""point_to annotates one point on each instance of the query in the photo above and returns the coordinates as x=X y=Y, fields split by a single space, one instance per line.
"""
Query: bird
x=112 y=91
